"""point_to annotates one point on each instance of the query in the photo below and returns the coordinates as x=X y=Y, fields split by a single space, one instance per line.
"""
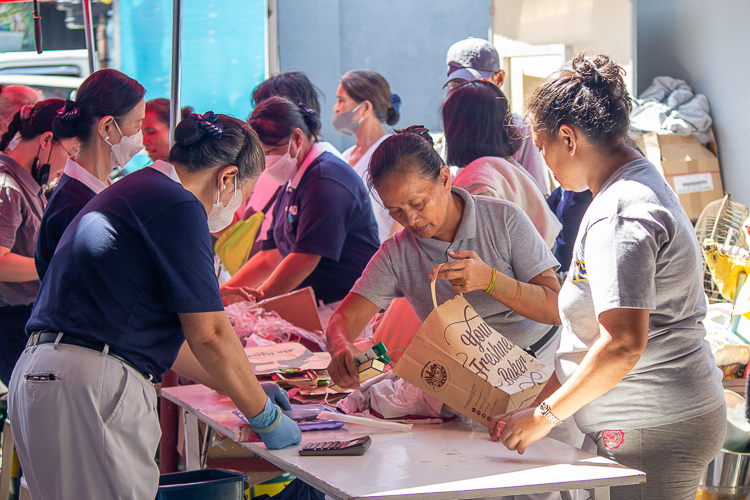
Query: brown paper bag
x=460 y=360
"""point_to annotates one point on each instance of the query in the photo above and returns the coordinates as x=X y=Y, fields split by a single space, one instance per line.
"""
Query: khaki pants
x=90 y=433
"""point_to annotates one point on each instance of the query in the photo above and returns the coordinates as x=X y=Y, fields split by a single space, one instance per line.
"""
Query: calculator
x=337 y=448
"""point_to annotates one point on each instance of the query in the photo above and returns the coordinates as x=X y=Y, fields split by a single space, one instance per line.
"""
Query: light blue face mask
x=344 y=122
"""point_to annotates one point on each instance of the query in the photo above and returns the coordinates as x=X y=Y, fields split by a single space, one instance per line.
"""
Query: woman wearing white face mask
x=364 y=103
x=323 y=232
x=131 y=281
x=106 y=119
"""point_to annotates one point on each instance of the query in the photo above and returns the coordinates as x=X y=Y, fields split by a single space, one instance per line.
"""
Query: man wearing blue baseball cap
x=474 y=59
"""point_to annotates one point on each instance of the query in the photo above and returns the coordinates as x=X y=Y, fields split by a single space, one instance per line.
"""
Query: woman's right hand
x=343 y=369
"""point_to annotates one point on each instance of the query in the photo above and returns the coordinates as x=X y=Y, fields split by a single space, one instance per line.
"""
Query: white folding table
x=434 y=462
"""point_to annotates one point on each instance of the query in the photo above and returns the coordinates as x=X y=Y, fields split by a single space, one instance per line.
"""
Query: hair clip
x=26 y=111
x=419 y=130
x=207 y=122
x=70 y=111
x=396 y=102
x=305 y=110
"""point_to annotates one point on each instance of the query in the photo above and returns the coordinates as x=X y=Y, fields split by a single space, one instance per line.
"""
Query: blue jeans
x=13 y=338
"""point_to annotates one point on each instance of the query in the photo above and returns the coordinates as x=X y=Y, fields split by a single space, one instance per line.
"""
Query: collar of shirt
x=77 y=172
x=166 y=169
x=317 y=150
x=25 y=178
x=467 y=229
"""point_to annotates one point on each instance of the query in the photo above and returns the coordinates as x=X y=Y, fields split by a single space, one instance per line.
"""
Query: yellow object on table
x=727 y=263
x=233 y=247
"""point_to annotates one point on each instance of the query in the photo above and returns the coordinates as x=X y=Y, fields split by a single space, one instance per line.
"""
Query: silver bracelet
x=547 y=412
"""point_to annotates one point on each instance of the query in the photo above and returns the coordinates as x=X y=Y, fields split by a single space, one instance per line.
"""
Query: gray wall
x=708 y=45
x=404 y=40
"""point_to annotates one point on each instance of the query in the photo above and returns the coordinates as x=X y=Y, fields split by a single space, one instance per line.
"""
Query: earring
x=106 y=137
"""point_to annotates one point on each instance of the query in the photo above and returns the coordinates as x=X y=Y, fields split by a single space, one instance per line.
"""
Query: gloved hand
x=275 y=429
x=277 y=395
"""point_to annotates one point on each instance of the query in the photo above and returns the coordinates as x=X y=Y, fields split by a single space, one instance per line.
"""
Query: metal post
x=88 y=25
x=174 y=102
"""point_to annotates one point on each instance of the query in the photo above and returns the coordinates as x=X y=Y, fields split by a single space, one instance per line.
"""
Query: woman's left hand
x=465 y=275
x=519 y=429
x=232 y=294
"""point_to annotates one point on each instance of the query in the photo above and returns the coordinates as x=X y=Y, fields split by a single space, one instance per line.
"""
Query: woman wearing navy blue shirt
x=131 y=280
x=324 y=232
x=106 y=119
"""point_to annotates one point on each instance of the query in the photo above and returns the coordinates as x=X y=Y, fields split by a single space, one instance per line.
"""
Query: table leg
x=565 y=495
x=206 y=445
x=192 y=443
x=601 y=493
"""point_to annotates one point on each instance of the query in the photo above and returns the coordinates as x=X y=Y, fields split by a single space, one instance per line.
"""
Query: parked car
x=63 y=87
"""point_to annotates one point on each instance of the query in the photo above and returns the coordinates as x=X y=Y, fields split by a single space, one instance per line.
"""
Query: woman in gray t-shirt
x=488 y=248
x=633 y=366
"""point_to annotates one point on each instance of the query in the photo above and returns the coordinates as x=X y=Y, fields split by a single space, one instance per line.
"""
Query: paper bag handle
x=432 y=286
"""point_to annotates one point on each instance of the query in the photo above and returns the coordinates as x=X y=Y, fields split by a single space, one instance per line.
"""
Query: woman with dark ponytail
x=38 y=158
x=106 y=120
x=364 y=103
x=323 y=231
x=633 y=366
x=131 y=293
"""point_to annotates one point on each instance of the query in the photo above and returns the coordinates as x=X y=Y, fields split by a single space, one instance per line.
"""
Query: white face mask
x=281 y=168
x=126 y=149
x=220 y=216
x=344 y=122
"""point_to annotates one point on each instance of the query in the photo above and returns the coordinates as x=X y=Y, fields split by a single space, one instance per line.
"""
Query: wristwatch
x=547 y=412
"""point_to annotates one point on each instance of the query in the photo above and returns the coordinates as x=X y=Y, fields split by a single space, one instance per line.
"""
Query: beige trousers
x=92 y=432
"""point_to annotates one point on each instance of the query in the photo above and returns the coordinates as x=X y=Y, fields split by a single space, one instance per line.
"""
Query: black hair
x=32 y=121
x=589 y=95
x=276 y=118
x=197 y=146
x=478 y=123
x=294 y=85
x=160 y=107
x=408 y=150
x=364 y=85
x=106 y=92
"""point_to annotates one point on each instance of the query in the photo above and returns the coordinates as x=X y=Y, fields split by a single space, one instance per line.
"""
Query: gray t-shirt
x=499 y=232
x=21 y=209
x=637 y=249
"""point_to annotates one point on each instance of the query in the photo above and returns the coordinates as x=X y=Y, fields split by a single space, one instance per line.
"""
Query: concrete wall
x=597 y=26
x=405 y=41
x=706 y=44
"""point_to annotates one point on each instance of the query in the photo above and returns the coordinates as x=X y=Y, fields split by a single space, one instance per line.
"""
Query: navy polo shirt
x=136 y=256
x=329 y=214
x=569 y=207
x=69 y=197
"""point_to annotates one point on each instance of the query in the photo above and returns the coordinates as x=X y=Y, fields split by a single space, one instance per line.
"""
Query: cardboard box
x=298 y=308
x=457 y=358
x=690 y=168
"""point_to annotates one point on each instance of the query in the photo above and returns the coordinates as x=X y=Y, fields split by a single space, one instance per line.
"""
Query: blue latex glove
x=277 y=395
x=275 y=429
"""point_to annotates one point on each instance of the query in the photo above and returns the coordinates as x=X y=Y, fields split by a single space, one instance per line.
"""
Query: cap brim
x=467 y=74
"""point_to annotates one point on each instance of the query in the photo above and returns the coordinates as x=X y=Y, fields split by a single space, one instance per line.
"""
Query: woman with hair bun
x=106 y=120
x=323 y=231
x=364 y=103
x=38 y=158
x=633 y=366
x=130 y=293
x=504 y=268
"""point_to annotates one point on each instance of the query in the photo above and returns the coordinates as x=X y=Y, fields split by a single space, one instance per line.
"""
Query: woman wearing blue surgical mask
x=364 y=103
x=106 y=119
x=130 y=293
x=323 y=231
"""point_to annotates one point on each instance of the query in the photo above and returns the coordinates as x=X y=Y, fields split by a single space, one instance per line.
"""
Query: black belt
x=532 y=349
x=51 y=338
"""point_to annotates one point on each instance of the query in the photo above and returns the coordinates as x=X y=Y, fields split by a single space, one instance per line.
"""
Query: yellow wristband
x=492 y=281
